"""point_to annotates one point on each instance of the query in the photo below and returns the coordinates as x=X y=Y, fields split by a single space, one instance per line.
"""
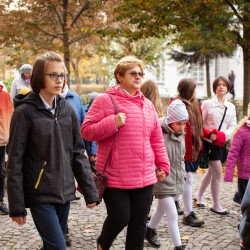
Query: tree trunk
x=208 y=76
x=246 y=56
x=65 y=29
x=75 y=65
x=246 y=88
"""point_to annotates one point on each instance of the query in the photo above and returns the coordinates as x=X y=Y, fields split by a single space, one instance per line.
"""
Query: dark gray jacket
x=46 y=151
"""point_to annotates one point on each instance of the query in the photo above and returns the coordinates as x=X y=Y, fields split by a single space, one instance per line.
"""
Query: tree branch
x=85 y=7
x=80 y=38
x=235 y=11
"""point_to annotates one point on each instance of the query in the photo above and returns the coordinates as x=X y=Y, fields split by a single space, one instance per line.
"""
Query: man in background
x=231 y=78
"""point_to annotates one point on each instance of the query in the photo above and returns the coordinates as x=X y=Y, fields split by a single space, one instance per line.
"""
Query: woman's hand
x=91 y=205
x=120 y=120
x=19 y=220
x=160 y=174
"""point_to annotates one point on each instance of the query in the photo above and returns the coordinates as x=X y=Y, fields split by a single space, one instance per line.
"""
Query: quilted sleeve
x=232 y=156
x=98 y=125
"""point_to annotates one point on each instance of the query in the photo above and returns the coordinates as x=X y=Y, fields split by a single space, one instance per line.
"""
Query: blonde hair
x=150 y=90
x=240 y=124
x=126 y=63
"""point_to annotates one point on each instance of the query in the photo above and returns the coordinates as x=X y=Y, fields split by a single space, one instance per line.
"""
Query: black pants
x=2 y=171
x=126 y=207
x=242 y=185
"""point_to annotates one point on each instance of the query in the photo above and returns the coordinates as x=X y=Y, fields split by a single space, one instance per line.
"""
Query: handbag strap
x=117 y=112
x=222 y=118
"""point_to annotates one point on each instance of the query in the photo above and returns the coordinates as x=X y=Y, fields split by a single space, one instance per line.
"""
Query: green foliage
x=8 y=83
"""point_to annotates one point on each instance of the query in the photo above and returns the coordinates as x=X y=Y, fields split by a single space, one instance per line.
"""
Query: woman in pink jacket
x=240 y=151
x=138 y=147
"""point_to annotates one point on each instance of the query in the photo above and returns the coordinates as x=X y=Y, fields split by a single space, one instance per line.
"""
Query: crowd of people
x=52 y=140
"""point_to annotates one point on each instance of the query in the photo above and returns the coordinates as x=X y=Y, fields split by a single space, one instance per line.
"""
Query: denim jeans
x=2 y=171
x=51 y=223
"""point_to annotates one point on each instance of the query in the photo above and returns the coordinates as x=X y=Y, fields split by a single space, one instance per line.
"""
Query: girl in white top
x=212 y=112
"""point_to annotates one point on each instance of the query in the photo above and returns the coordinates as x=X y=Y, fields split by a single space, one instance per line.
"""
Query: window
x=198 y=74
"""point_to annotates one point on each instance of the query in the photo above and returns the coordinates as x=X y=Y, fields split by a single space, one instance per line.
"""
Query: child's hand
x=160 y=174
x=213 y=137
x=91 y=205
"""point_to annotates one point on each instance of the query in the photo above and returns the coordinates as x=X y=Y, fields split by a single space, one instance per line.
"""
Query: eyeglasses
x=54 y=76
x=134 y=74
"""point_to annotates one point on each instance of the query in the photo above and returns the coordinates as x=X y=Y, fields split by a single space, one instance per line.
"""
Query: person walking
x=91 y=147
x=239 y=152
x=174 y=137
x=193 y=144
x=231 y=78
x=76 y=103
x=46 y=152
x=138 y=147
x=6 y=110
x=22 y=81
x=216 y=111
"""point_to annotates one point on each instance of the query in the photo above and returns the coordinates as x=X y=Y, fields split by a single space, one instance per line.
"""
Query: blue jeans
x=51 y=223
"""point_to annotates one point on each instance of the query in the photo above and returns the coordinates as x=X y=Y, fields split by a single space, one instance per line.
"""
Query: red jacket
x=193 y=141
x=6 y=110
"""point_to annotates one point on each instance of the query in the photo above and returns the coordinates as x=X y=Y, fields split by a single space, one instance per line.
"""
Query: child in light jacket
x=174 y=138
x=240 y=151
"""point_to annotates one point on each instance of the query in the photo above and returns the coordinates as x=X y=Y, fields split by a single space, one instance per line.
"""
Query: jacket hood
x=167 y=129
x=139 y=97
x=30 y=98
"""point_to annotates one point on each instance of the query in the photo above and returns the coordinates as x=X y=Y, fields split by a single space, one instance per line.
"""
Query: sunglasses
x=134 y=74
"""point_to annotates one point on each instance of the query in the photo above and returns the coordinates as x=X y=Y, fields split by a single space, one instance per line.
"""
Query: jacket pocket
x=40 y=175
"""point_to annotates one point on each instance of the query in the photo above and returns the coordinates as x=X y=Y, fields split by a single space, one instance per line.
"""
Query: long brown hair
x=186 y=88
x=150 y=90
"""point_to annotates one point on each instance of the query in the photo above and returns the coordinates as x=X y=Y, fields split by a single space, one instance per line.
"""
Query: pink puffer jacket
x=239 y=150
x=138 y=146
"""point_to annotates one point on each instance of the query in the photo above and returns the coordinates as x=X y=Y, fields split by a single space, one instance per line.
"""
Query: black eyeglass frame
x=65 y=76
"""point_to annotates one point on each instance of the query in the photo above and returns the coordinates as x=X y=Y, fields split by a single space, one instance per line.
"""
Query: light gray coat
x=175 y=145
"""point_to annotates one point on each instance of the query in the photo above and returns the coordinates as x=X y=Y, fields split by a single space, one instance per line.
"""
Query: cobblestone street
x=85 y=224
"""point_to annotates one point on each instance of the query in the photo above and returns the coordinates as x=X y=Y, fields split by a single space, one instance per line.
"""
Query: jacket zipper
x=40 y=175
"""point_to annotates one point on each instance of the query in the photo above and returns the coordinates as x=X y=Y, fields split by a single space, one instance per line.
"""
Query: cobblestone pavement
x=85 y=224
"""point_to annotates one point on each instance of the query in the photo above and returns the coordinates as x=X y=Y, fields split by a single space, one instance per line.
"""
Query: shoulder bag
x=203 y=160
x=99 y=177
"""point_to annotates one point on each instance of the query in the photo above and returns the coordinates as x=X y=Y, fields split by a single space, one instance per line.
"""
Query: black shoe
x=236 y=198
x=192 y=220
x=180 y=247
x=67 y=240
x=3 y=209
x=221 y=213
x=151 y=237
x=179 y=211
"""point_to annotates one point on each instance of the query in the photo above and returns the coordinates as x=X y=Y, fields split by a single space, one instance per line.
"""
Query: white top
x=52 y=110
x=17 y=85
x=212 y=113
